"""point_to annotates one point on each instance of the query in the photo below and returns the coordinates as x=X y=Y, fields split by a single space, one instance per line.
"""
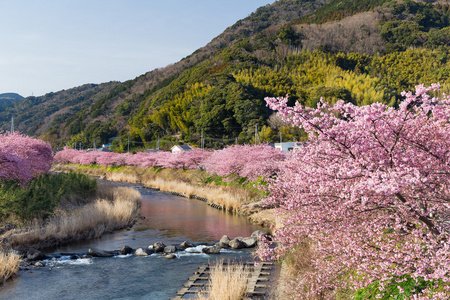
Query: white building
x=180 y=148
x=289 y=146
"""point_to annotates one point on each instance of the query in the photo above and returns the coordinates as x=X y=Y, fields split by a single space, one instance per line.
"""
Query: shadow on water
x=169 y=219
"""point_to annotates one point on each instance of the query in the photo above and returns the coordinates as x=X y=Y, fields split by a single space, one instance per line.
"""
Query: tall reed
x=9 y=265
x=226 y=282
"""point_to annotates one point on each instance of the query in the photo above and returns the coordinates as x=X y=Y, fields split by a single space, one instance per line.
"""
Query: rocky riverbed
x=36 y=258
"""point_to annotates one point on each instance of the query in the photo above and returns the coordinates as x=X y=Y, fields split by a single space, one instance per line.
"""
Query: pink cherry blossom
x=23 y=158
x=371 y=189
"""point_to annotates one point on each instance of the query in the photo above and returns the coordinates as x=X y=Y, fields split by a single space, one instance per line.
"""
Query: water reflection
x=190 y=218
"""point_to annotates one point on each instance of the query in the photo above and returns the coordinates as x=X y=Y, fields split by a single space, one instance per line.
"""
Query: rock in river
x=225 y=240
x=249 y=242
x=126 y=250
x=142 y=252
x=211 y=250
x=158 y=247
x=236 y=244
x=99 y=253
x=34 y=254
x=186 y=244
x=170 y=249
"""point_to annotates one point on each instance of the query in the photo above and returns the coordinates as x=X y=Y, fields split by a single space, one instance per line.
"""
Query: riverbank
x=111 y=209
x=114 y=208
x=187 y=183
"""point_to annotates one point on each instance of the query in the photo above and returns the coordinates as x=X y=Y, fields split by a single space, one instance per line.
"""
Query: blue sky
x=50 y=45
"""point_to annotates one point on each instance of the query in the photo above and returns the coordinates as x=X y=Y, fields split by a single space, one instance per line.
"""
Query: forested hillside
x=359 y=51
x=9 y=98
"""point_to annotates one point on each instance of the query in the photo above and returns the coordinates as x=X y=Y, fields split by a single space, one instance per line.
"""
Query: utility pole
x=128 y=143
x=281 y=137
x=157 y=143
x=236 y=140
x=202 y=143
x=256 y=133
x=12 y=124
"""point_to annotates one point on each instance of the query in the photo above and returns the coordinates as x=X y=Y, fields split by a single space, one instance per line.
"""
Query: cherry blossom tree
x=191 y=160
x=23 y=158
x=245 y=161
x=371 y=189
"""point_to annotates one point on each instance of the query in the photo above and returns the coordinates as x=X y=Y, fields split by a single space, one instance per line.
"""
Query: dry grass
x=295 y=265
x=116 y=208
x=9 y=265
x=230 y=199
x=229 y=283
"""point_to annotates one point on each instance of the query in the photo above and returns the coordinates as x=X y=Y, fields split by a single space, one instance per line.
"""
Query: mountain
x=9 y=98
x=359 y=51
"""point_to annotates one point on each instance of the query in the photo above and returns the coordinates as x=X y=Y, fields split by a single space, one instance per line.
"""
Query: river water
x=168 y=219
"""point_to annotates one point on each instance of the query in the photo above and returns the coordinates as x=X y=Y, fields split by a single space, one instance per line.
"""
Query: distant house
x=103 y=149
x=289 y=146
x=152 y=150
x=180 y=148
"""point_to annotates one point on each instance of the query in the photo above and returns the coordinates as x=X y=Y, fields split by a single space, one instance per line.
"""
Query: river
x=168 y=219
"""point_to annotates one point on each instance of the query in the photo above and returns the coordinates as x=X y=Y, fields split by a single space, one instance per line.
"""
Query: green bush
x=42 y=195
x=399 y=288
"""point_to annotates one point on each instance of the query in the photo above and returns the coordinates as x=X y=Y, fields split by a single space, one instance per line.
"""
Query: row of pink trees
x=163 y=159
x=240 y=160
x=23 y=158
x=371 y=190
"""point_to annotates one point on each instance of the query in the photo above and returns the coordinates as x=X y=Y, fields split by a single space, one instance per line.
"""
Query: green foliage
x=288 y=36
x=408 y=286
x=338 y=9
x=415 y=24
x=42 y=195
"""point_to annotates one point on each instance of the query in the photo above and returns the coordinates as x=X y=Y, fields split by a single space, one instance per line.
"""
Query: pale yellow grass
x=116 y=208
x=229 y=198
x=9 y=265
x=294 y=266
x=226 y=283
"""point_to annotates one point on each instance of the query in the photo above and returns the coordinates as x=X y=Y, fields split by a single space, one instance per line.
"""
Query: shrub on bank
x=41 y=196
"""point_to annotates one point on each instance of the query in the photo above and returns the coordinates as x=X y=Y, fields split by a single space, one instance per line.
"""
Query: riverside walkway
x=258 y=282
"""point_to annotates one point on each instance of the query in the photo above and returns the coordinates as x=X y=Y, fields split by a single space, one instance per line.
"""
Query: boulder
x=34 y=254
x=142 y=252
x=126 y=250
x=260 y=233
x=249 y=242
x=225 y=239
x=39 y=264
x=158 y=247
x=236 y=244
x=170 y=249
x=99 y=253
x=222 y=245
x=211 y=250
x=186 y=244
x=170 y=256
